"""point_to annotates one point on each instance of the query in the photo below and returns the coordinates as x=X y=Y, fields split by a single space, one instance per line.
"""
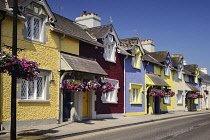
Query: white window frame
x=110 y=97
x=166 y=100
x=110 y=49
x=46 y=76
x=32 y=27
x=179 y=97
x=35 y=89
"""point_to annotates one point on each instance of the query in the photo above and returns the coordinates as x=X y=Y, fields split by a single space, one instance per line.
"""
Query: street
x=193 y=128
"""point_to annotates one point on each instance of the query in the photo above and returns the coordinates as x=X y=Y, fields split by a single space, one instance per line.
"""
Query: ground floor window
x=135 y=93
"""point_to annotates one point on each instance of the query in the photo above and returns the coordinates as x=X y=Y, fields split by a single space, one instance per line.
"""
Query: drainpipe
x=3 y=13
x=60 y=78
x=2 y=18
x=124 y=85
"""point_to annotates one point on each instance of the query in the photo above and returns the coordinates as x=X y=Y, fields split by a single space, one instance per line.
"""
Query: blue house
x=134 y=77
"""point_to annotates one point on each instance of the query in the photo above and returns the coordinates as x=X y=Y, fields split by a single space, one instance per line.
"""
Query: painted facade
x=134 y=78
x=31 y=110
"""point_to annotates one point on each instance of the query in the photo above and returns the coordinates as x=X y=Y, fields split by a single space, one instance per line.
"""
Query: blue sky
x=177 y=26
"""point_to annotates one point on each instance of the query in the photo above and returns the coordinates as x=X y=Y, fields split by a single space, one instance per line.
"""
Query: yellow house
x=179 y=82
x=37 y=101
x=163 y=57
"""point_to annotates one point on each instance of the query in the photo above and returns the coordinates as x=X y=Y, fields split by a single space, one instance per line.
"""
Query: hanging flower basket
x=92 y=84
x=194 y=95
x=170 y=93
x=107 y=87
x=23 y=68
x=72 y=85
x=157 y=93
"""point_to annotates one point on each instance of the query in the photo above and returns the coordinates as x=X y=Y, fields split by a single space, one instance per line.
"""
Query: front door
x=85 y=104
x=157 y=105
x=67 y=105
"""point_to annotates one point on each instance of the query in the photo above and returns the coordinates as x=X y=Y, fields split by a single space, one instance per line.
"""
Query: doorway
x=67 y=104
x=85 y=104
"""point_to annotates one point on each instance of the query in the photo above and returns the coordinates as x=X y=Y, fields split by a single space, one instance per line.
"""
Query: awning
x=191 y=87
x=70 y=62
x=153 y=79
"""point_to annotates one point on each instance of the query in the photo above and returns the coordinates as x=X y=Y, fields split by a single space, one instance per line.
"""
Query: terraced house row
x=145 y=81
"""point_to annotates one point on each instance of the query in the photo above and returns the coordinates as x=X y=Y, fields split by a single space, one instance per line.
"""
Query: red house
x=110 y=58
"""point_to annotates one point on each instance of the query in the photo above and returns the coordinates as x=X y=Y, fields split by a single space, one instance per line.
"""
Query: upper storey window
x=36 y=22
x=110 y=48
x=167 y=66
x=33 y=25
x=136 y=60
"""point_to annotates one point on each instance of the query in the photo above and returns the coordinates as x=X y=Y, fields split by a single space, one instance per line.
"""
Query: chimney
x=89 y=19
x=148 y=45
x=204 y=70
x=184 y=62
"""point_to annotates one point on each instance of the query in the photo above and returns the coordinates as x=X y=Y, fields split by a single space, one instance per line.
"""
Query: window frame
x=110 y=97
x=179 y=94
x=136 y=59
x=47 y=78
x=167 y=100
x=140 y=90
x=110 y=49
x=32 y=28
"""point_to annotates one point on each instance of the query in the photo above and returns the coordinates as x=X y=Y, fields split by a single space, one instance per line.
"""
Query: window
x=35 y=90
x=166 y=100
x=136 y=57
x=179 y=97
x=110 y=49
x=33 y=26
x=110 y=97
x=135 y=93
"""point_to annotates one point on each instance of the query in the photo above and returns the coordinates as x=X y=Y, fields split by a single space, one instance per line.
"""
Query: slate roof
x=128 y=43
x=191 y=68
x=159 y=56
x=175 y=58
x=192 y=87
x=73 y=29
x=99 y=31
x=204 y=77
x=82 y=64
x=149 y=58
x=157 y=80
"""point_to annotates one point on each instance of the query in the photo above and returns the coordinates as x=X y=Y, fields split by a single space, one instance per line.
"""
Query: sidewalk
x=67 y=129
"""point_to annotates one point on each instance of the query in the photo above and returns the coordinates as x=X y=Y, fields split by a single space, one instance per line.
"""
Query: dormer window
x=167 y=66
x=36 y=23
x=33 y=25
x=180 y=68
x=110 y=48
x=136 y=57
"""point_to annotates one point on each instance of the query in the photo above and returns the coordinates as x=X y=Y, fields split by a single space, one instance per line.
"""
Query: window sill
x=33 y=101
x=109 y=102
x=135 y=103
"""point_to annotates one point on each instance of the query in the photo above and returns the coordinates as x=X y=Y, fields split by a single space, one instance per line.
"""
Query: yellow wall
x=157 y=70
x=48 y=57
x=170 y=81
x=70 y=45
x=179 y=84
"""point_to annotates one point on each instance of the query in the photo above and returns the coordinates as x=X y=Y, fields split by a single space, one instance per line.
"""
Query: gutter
x=125 y=86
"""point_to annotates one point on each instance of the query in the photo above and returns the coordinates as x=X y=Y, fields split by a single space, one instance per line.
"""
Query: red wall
x=114 y=70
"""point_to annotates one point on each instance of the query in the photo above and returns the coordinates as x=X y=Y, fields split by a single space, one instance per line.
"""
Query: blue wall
x=136 y=76
x=149 y=67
